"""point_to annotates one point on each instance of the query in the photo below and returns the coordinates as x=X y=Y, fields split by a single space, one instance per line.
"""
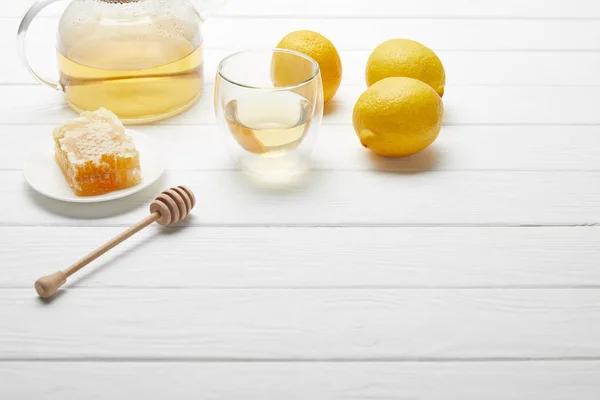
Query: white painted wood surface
x=469 y=271
x=300 y=381
x=323 y=257
x=303 y=324
x=514 y=9
x=458 y=148
x=494 y=105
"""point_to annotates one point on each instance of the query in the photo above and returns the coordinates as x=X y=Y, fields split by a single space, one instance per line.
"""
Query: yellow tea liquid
x=139 y=79
x=272 y=126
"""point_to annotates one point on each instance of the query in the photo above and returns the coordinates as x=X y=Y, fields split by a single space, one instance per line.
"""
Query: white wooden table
x=470 y=271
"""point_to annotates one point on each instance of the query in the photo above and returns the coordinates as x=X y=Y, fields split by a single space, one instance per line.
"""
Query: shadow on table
x=105 y=261
x=331 y=107
x=285 y=185
x=99 y=210
x=424 y=161
x=52 y=299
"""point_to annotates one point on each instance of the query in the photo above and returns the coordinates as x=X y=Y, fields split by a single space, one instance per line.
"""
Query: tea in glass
x=272 y=126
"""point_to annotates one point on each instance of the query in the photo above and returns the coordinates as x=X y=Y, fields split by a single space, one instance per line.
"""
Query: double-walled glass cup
x=269 y=104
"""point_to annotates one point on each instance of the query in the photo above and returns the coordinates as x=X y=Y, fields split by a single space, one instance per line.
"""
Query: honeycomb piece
x=96 y=155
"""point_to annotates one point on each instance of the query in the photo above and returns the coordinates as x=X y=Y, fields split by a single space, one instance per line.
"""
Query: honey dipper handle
x=47 y=285
x=111 y=244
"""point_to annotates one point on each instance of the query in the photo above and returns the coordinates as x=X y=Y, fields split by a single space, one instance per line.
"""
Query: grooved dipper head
x=173 y=205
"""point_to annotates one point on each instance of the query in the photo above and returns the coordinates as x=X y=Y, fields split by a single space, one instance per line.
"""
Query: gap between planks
x=371 y=17
x=327 y=124
x=308 y=287
x=244 y=360
x=318 y=225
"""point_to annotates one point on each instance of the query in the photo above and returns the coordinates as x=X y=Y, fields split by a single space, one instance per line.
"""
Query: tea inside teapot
x=140 y=59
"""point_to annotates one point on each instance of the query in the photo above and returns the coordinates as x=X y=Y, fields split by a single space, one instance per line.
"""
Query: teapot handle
x=22 y=33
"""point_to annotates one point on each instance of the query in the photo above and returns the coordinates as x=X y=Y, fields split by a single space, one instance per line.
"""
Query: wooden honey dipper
x=170 y=207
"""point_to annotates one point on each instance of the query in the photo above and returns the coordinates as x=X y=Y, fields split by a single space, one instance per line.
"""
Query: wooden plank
x=322 y=257
x=333 y=324
x=415 y=9
x=299 y=381
x=365 y=34
x=464 y=105
x=458 y=148
x=387 y=9
x=463 y=68
x=338 y=198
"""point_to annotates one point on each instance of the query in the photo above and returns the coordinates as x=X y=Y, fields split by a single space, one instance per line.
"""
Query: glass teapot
x=141 y=59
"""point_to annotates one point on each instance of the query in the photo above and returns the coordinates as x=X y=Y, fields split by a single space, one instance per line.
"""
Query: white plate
x=45 y=176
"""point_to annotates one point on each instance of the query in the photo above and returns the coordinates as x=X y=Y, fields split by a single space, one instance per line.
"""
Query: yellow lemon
x=403 y=57
x=318 y=48
x=397 y=117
